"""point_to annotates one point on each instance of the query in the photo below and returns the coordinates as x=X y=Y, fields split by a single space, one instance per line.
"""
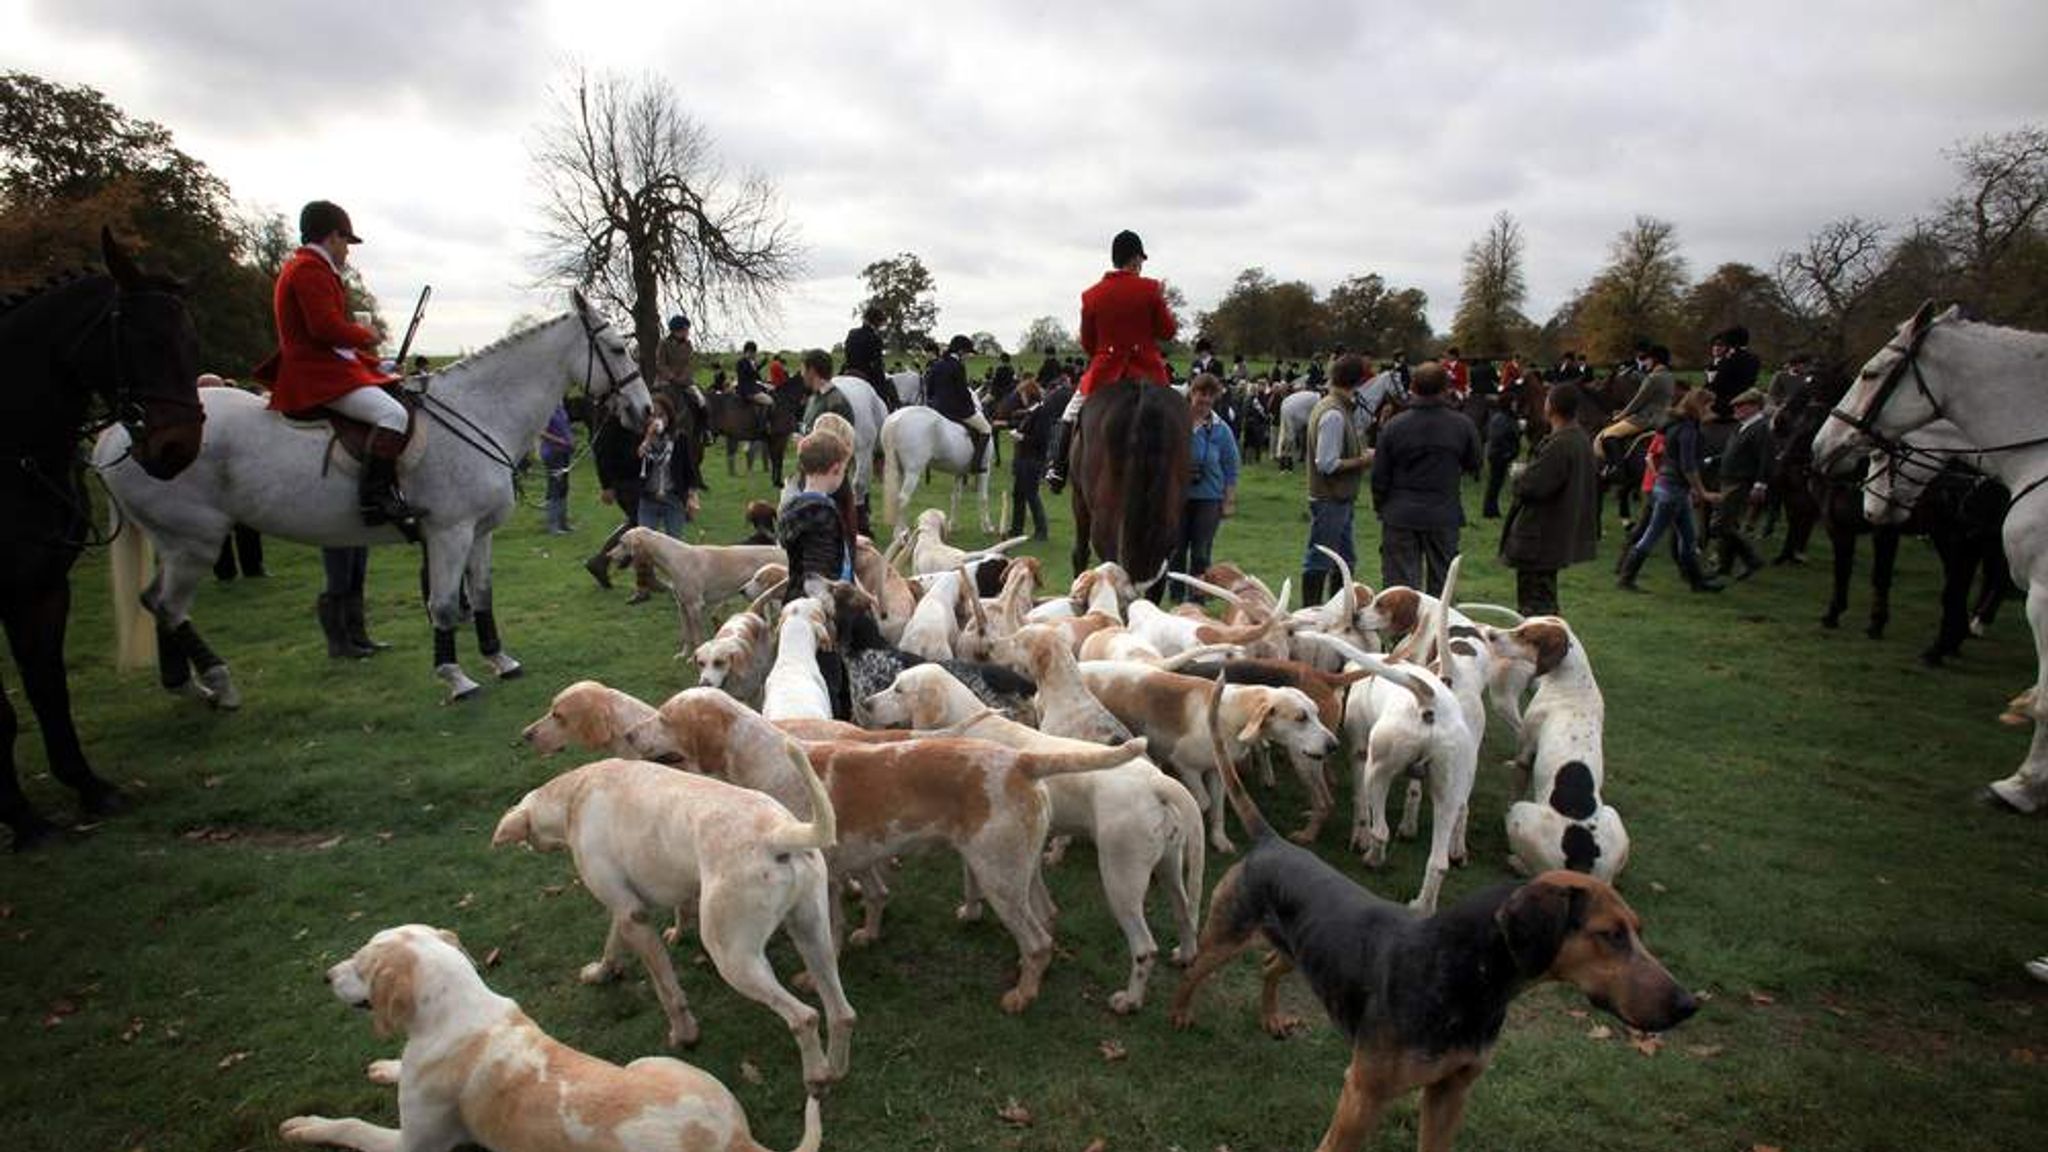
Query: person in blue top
x=1212 y=479
x=557 y=454
x=1678 y=487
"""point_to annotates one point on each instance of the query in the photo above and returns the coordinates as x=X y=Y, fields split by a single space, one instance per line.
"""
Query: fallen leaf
x=210 y=782
x=1705 y=1051
x=1761 y=999
x=1112 y=1050
x=133 y=1030
x=1097 y=1145
x=1577 y=1013
x=468 y=898
x=749 y=1072
x=302 y=933
x=6 y=911
x=356 y=915
x=1649 y=1044
x=1658 y=888
x=2024 y=1056
x=232 y=1059
x=491 y=959
x=553 y=889
x=385 y=837
x=1014 y=1113
x=330 y=842
x=1600 y=1032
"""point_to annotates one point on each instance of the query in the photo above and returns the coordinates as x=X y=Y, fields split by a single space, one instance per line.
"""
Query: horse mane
x=508 y=339
x=54 y=282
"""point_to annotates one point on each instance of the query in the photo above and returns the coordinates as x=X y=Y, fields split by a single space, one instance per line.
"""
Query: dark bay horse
x=739 y=421
x=1131 y=478
x=122 y=337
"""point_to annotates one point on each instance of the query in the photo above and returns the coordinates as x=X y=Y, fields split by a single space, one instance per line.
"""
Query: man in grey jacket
x=1741 y=477
x=1416 y=469
x=1552 y=522
x=1647 y=409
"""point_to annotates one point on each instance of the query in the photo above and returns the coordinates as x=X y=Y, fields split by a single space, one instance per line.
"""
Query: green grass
x=1806 y=854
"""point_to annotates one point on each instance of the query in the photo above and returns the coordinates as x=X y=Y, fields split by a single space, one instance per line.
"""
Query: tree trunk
x=646 y=314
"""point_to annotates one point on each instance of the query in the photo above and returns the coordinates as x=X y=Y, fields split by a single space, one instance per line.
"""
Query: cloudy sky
x=1005 y=143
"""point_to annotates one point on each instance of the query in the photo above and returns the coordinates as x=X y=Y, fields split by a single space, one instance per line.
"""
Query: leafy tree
x=1637 y=295
x=903 y=288
x=1177 y=304
x=1367 y=316
x=1265 y=316
x=1489 y=318
x=986 y=344
x=636 y=204
x=1047 y=333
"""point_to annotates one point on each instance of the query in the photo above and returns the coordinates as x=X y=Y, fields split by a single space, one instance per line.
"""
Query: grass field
x=1807 y=856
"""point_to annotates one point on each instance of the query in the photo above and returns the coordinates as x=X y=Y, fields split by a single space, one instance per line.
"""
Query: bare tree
x=636 y=203
x=1827 y=282
x=1489 y=318
x=1996 y=215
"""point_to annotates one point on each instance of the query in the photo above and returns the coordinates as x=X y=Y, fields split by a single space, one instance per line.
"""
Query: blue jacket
x=1212 y=460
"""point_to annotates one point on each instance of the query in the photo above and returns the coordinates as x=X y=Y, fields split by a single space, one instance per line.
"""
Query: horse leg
x=1843 y=543
x=988 y=526
x=1997 y=584
x=2026 y=790
x=446 y=560
x=179 y=645
x=35 y=634
x=1959 y=558
x=1884 y=559
x=732 y=450
x=774 y=448
x=479 y=584
x=30 y=829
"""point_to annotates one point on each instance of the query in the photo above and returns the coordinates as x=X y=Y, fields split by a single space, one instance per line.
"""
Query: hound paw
x=1281 y=1025
x=306 y=1129
x=1017 y=1000
x=862 y=937
x=597 y=972
x=968 y=912
x=383 y=1071
x=1222 y=844
x=683 y=1033
x=1182 y=1019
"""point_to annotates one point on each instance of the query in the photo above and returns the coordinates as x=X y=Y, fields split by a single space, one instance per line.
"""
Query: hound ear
x=1252 y=728
x=453 y=941
x=391 y=992
x=1535 y=920
x=585 y=716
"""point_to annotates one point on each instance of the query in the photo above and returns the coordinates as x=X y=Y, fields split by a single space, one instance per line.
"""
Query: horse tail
x=134 y=628
x=892 y=471
x=1155 y=480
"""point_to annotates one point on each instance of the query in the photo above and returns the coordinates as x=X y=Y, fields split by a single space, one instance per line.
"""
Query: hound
x=736 y=660
x=590 y=715
x=872 y=665
x=477 y=1070
x=1065 y=707
x=1422 y=1001
x=795 y=687
x=1171 y=710
x=934 y=629
x=1564 y=823
x=698 y=574
x=930 y=553
x=1144 y=824
x=1105 y=589
x=981 y=799
x=644 y=836
x=1172 y=634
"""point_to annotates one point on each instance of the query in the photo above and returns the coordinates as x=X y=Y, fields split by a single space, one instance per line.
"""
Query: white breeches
x=1073 y=411
x=371 y=406
x=978 y=422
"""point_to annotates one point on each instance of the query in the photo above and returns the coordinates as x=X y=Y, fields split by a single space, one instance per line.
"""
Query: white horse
x=283 y=478
x=909 y=387
x=1989 y=382
x=915 y=438
x=868 y=415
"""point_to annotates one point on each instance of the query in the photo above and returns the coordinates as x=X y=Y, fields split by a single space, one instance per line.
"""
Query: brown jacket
x=1554 y=520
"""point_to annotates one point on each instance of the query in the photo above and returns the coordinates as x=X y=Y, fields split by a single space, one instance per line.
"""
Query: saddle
x=351 y=435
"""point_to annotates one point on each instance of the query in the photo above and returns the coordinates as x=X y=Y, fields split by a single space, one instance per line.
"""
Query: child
x=818 y=539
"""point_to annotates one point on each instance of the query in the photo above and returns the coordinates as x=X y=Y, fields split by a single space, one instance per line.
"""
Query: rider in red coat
x=327 y=360
x=1123 y=318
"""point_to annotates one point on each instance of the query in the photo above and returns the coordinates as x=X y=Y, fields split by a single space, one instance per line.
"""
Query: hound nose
x=1683 y=1007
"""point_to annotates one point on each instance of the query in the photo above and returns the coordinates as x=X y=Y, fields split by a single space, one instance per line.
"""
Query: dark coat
x=864 y=354
x=1416 y=466
x=1554 y=520
x=813 y=540
x=1735 y=374
x=1747 y=457
x=945 y=389
x=615 y=451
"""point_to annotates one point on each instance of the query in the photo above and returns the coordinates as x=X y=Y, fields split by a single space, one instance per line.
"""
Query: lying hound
x=981 y=799
x=1143 y=823
x=644 y=836
x=1422 y=1001
x=477 y=1070
x=1564 y=823
x=698 y=574
x=589 y=715
x=1172 y=711
x=795 y=686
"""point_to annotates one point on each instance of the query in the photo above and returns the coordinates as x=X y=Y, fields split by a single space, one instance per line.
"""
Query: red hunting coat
x=314 y=330
x=1123 y=319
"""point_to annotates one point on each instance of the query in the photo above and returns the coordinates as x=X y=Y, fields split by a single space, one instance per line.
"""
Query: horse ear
x=119 y=263
x=1923 y=317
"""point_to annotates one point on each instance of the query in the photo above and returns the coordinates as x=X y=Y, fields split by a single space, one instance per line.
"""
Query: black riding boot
x=1312 y=588
x=358 y=628
x=334 y=624
x=1056 y=452
x=382 y=502
x=979 y=464
x=1631 y=564
x=600 y=565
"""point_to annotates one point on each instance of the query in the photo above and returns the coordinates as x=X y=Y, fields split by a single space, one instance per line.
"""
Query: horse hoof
x=1990 y=798
x=505 y=666
x=460 y=686
x=220 y=686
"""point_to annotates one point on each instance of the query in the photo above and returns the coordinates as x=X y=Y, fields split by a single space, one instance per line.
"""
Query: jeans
x=558 y=498
x=1198 y=536
x=662 y=513
x=1329 y=524
x=1416 y=557
x=1670 y=507
x=1024 y=477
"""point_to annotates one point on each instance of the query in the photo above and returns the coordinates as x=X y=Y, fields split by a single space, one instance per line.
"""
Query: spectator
x=1415 y=475
x=675 y=359
x=1741 y=479
x=340 y=607
x=747 y=382
x=1678 y=486
x=825 y=395
x=1503 y=444
x=1553 y=521
x=818 y=540
x=1337 y=454
x=1031 y=427
x=1255 y=421
x=1205 y=360
x=668 y=478
x=613 y=450
x=1212 y=479
x=557 y=453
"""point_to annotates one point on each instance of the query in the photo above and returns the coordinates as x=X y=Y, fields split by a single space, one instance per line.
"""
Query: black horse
x=124 y=338
x=740 y=421
x=1131 y=478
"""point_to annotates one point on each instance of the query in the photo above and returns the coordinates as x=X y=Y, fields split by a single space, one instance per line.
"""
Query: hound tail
x=1247 y=812
x=814 y=1127
x=821 y=832
x=1039 y=765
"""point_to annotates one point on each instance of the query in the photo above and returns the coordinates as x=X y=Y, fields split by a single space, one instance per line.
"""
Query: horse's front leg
x=448 y=554
x=988 y=526
x=179 y=645
x=2026 y=790
x=478 y=582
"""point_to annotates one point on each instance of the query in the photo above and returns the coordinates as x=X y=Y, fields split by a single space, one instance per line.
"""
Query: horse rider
x=326 y=360
x=675 y=362
x=1650 y=405
x=1123 y=318
x=947 y=393
x=864 y=357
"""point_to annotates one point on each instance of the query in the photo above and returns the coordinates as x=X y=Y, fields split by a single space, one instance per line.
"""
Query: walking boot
x=339 y=645
x=1700 y=581
x=1312 y=588
x=600 y=565
x=357 y=627
x=979 y=464
x=1631 y=563
x=1056 y=452
x=382 y=502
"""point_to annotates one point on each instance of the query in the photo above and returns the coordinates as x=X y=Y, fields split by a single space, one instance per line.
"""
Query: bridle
x=126 y=406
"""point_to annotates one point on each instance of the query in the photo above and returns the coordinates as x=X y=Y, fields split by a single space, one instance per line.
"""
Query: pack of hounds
x=997 y=724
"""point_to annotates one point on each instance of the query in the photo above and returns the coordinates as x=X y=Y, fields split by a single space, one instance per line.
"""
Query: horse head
x=148 y=366
x=609 y=369
x=1888 y=398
